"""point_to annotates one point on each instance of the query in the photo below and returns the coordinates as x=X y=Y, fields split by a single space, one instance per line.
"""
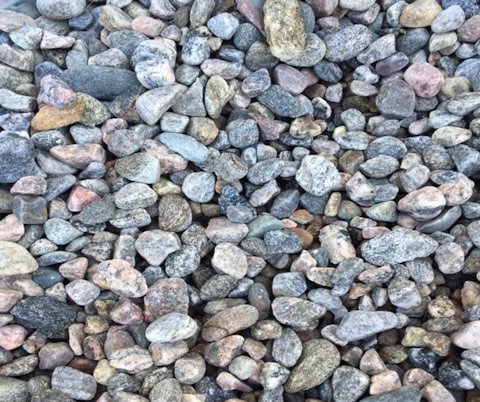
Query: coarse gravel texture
x=239 y=200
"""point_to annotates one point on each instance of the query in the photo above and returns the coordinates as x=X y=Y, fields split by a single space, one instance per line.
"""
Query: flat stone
x=421 y=13
x=398 y=246
x=152 y=104
x=186 y=146
x=396 y=99
x=156 y=245
x=16 y=158
x=357 y=325
x=74 y=383
x=103 y=83
x=229 y=321
x=347 y=43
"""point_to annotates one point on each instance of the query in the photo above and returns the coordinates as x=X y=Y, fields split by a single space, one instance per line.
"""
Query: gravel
x=239 y=200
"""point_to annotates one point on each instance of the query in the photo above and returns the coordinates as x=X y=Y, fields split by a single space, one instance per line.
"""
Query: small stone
x=171 y=327
x=229 y=321
x=12 y=336
x=317 y=175
x=449 y=19
x=434 y=391
x=121 y=278
x=229 y=259
x=421 y=13
x=15 y=260
x=60 y=231
x=82 y=292
x=425 y=79
x=223 y=25
x=74 y=383
x=319 y=360
x=404 y=294
x=186 y=146
x=174 y=213
x=53 y=355
x=465 y=337
x=16 y=158
x=396 y=99
x=349 y=383
x=450 y=258
x=347 y=43
x=450 y=136
x=423 y=204
x=139 y=167
x=132 y=360
x=199 y=187
x=296 y=312
x=152 y=104
x=372 y=322
x=384 y=382
x=190 y=368
x=379 y=250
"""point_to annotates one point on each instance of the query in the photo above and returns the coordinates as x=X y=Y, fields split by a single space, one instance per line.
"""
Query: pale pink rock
x=222 y=352
x=35 y=342
x=425 y=79
x=131 y=360
x=30 y=185
x=290 y=79
x=74 y=269
x=374 y=231
x=166 y=296
x=336 y=242
x=5 y=319
x=169 y=160
x=270 y=129
x=255 y=349
x=371 y=363
x=55 y=92
x=52 y=41
x=228 y=382
x=470 y=30
x=11 y=20
x=303 y=262
x=148 y=26
x=164 y=354
x=467 y=337
x=434 y=391
x=230 y=260
x=127 y=313
x=76 y=336
x=11 y=229
x=12 y=336
x=221 y=230
x=53 y=355
x=385 y=381
x=8 y=298
x=252 y=12
x=423 y=204
x=417 y=378
x=80 y=197
x=121 y=278
x=79 y=155
x=82 y=292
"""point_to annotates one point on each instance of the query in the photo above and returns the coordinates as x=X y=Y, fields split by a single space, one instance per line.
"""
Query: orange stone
x=49 y=117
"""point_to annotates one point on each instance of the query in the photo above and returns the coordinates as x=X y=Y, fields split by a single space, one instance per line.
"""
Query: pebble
x=228 y=322
x=396 y=99
x=16 y=156
x=347 y=43
x=425 y=79
x=15 y=260
x=318 y=362
x=74 y=383
x=121 y=278
x=373 y=322
x=171 y=327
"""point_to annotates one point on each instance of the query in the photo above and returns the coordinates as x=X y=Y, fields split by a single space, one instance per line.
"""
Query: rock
x=401 y=394
x=132 y=360
x=425 y=79
x=372 y=322
x=53 y=355
x=139 y=167
x=186 y=146
x=229 y=321
x=50 y=117
x=421 y=13
x=82 y=292
x=165 y=390
x=349 y=383
x=223 y=25
x=174 y=213
x=166 y=296
x=152 y=104
x=15 y=389
x=347 y=43
x=404 y=294
x=103 y=83
x=396 y=99
x=423 y=204
x=171 y=327
x=408 y=246
x=121 y=278
x=16 y=158
x=464 y=337
x=62 y=10
x=317 y=175
x=60 y=231
x=296 y=312
x=319 y=360
x=450 y=136
x=15 y=260
x=190 y=368
x=199 y=187
x=74 y=383
x=284 y=104
x=43 y=312
x=450 y=19
x=230 y=259
x=284 y=28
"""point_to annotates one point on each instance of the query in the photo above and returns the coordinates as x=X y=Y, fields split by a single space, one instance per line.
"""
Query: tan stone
x=49 y=117
x=420 y=13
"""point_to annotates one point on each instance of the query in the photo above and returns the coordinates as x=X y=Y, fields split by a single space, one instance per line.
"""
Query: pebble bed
x=240 y=200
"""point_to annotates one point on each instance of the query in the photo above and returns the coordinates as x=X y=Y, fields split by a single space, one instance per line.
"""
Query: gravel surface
x=239 y=200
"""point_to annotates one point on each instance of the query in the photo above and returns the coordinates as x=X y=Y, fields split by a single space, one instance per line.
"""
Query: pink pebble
x=425 y=79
